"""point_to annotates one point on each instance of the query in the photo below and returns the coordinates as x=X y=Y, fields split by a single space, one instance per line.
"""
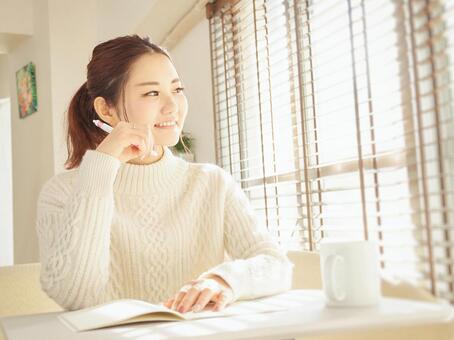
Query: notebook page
x=260 y=305
x=110 y=313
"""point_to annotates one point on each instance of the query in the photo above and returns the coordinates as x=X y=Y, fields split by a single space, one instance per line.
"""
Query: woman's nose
x=170 y=105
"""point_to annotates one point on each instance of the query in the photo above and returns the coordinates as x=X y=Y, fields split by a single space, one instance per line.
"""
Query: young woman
x=125 y=223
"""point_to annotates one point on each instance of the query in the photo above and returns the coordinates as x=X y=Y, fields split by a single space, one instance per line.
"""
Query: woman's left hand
x=195 y=295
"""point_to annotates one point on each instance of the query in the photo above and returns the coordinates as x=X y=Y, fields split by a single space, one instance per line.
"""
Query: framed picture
x=26 y=90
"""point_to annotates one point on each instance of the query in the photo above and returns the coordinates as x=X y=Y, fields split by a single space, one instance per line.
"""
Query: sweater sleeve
x=259 y=267
x=73 y=227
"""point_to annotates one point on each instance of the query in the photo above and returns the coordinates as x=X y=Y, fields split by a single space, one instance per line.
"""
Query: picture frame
x=27 y=98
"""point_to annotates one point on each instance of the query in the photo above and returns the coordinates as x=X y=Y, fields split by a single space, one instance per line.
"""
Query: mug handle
x=333 y=290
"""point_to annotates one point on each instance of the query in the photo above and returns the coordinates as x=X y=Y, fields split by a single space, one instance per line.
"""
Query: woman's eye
x=155 y=93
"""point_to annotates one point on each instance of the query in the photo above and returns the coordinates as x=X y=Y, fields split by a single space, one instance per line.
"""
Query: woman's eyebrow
x=156 y=82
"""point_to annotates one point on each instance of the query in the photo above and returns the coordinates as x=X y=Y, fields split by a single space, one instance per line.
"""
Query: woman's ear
x=104 y=111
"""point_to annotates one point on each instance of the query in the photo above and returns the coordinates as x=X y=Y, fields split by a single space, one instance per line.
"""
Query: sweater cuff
x=230 y=271
x=97 y=173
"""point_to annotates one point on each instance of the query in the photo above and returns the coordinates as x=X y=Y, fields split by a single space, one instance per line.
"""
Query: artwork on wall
x=26 y=90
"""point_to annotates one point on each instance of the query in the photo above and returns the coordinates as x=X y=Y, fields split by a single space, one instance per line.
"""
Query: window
x=336 y=118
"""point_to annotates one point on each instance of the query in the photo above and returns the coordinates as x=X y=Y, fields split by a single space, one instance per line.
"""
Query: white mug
x=350 y=273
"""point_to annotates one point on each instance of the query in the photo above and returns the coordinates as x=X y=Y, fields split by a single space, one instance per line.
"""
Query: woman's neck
x=149 y=159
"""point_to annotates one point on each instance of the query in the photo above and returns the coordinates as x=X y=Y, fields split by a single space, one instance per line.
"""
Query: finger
x=203 y=299
x=137 y=133
x=178 y=299
x=142 y=129
x=154 y=147
x=130 y=137
x=148 y=130
x=222 y=300
x=145 y=132
x=133 y=151
x=169 y=302
x=210 y=305
x=125 y=127
x=137 y=141
x=189 y=299
x=150 y=141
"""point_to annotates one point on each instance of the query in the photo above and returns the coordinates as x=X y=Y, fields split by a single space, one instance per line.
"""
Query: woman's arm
x=73 y=226
x=258 y=267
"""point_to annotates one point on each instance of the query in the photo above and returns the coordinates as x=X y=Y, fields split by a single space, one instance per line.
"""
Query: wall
x=112 y=18
x=6 y=189
x=16 y=16
x=32 y=137
x=4 y=83
x=72 y=39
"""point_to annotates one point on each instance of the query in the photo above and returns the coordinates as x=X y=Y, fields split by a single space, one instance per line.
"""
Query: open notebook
x=126 y=311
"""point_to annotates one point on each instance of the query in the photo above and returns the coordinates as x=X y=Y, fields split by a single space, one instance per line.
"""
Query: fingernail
x=181 y=309
x=196 y=308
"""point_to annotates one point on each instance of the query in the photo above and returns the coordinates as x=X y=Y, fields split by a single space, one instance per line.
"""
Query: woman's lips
x=167 y=127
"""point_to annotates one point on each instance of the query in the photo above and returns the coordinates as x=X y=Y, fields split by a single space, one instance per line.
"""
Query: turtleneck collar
x=142 y=179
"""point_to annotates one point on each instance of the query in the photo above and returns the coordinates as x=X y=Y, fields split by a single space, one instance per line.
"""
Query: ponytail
x=82 y=133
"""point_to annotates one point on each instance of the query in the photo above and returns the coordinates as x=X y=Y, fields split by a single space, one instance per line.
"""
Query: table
x=306 y=315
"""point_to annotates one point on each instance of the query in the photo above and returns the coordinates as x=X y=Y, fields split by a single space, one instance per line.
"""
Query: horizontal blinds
x=336 y=118
x=257 y=115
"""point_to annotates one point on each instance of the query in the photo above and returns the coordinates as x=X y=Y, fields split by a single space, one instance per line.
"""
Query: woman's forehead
x=152 y=68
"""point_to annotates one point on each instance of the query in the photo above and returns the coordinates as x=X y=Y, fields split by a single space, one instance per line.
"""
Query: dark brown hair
x=107 y=74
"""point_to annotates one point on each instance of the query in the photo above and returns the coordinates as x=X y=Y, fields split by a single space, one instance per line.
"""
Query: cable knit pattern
x=109 y=230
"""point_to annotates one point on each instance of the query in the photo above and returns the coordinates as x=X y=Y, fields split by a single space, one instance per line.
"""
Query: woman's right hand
x=127 y=141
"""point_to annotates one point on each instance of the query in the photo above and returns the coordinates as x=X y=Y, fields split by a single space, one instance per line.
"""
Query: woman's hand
x=127 y=141
x=197 y=294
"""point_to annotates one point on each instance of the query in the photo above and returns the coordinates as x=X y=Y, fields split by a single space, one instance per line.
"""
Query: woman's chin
x=168 y=142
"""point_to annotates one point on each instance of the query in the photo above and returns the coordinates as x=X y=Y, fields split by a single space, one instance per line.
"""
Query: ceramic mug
x=350 y=273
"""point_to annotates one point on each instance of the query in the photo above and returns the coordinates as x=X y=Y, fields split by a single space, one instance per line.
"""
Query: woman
x=126 y=223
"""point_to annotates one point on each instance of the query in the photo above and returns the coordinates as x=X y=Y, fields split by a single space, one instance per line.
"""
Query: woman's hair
x=107 y=74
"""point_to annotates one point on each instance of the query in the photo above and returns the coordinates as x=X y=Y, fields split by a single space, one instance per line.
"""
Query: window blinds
x=336 y=118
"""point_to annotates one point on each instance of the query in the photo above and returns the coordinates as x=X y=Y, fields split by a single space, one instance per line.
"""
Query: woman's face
x=154 y=94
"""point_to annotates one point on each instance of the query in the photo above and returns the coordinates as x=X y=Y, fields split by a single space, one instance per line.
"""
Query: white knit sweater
x=109 y=230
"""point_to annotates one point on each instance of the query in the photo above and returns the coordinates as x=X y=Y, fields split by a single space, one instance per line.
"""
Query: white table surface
x=306 y=315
